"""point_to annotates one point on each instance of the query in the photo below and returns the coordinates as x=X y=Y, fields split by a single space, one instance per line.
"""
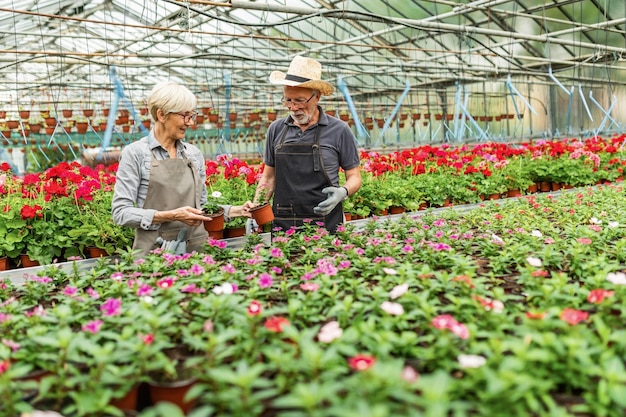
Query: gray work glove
x=180 y=245
x=335 y=196
x=251 y=226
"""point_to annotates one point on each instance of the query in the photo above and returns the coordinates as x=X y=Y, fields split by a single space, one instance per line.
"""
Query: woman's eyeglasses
x=187 y=117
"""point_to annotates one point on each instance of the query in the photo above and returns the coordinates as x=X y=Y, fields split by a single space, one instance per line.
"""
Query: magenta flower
x=144 y=290
x=70 y=291
x=117 y=276
x=92 y=326
x=229 y=268
x=191 y=288
x=584 y=240
x=112 y=307
x=14 y=346
x=196 y=269
x=276 y=253
x=265 y=280
x=166 y=282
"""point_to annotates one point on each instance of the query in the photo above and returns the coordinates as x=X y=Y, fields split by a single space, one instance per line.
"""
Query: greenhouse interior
x=461 y=251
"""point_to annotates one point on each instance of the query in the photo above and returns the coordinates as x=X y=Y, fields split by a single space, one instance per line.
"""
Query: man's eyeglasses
x=299 y=102
x=187 y=117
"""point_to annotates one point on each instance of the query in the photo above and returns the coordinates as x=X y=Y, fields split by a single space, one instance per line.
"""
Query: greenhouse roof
x=76 y=49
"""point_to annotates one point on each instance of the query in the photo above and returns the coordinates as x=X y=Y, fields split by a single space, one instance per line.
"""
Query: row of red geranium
x=57 y=213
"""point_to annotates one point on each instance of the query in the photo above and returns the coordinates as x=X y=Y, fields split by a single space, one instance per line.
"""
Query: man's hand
x=335 y=196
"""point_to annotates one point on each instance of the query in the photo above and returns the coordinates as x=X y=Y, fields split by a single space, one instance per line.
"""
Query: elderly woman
x=160 y=185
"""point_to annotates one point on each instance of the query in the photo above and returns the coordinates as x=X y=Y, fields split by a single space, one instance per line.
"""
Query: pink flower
x=117 y=276
x=395 y=309
x=14 y=346
x=70 y=291
x=92 y=326
x=443 y=321
x=597 y=296
x=191 y=288
x=112 y=307
x=309 y=286
x=409 y=374
x=92 y=293
x=361 y=362
x=446 y=321
x=208 y=326
x=147 y=338
x=255 y=308
x=276 y=253
x=573 y=316
x=265 y=280
x=584 y=241
x=329 y=332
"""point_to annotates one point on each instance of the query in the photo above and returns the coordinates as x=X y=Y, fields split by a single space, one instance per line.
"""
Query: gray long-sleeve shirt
x=133 y=174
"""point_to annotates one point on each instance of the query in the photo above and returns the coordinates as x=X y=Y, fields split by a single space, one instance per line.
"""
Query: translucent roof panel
x=69 y=49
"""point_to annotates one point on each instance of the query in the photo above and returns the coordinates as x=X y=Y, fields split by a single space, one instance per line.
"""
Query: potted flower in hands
x=263 y=213
x=214 y=210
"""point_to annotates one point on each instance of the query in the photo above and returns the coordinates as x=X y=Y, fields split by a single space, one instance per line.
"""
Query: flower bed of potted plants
x=467 y=313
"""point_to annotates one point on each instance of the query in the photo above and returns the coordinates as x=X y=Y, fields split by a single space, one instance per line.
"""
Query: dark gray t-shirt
x=337 y=143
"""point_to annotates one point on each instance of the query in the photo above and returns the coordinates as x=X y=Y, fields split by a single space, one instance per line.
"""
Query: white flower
x=147 y=299
x=395 y=309
x=225 y=288
x=390 y=271
x=536 y=233
x=613 y=225
x=594 y=220
x=216 y=194
x=471 y=361
x=617 y=278
x=329 y=332
x=398 y=290
x=497 y=239
x=532 y=261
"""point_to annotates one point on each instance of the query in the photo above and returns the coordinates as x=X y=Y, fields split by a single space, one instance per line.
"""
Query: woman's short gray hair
x=171 y=97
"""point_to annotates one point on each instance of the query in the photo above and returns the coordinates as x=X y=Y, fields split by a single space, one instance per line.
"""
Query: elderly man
x=305 y=151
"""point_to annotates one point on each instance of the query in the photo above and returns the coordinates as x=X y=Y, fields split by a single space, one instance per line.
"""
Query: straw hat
x=303 y=72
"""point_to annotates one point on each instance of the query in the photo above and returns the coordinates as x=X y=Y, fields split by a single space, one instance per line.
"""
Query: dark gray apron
x=173 y=183
x=300 y=178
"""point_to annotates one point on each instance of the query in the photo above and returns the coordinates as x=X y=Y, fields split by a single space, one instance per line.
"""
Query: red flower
x=536 y=316
x=597 y=296
x=275 y=324
x=28 y=212
x=361 y=362
x=255 y=308
x=573 y=316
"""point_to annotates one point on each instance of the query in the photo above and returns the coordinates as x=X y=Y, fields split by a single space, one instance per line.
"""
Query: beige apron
x=173 y=183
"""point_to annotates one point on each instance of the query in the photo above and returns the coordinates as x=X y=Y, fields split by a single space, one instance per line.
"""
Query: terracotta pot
x=51 y=121
x=396 y=210
x=262 y=214
x=24 y=114
x=67 y=113
x=216 y=223
x=88 y=112
x=532 y=188
x=27 y=262
x=545 y=186
x=82 y=127
x=96 y=252
x=348 y=216
x=173 y=392
x=271 y=116
x=218 y=234
x=231 y=232
x=494 y=197
x=514 y=193
x=4 y=263
x=556 y=186
x=128 y=401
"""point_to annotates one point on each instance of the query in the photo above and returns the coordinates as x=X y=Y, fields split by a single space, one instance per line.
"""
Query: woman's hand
x=188 y=215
